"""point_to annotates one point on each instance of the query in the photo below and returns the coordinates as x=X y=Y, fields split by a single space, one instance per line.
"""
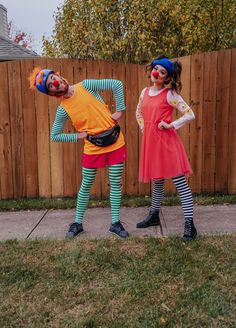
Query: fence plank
x=143 y=81
x=232 y=127
x=132 y=132
x=184 y=132
x=56 y=148
x=196 y=126
x=185 y=93
x=30 y=131
x=222 y=117
x=6 y=178
x=17 y=128
x=69 y=148
x=208 y=122
x=118 y=73
x=43 y=139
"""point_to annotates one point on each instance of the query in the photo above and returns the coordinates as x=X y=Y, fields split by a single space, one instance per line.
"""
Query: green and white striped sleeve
x=58 y=125
x=94 y=86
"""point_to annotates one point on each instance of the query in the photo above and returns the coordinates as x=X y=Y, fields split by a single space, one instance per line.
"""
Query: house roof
x=10 y=50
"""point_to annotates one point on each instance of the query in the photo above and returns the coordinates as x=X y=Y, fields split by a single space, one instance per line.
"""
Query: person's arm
x=94 y=86
x=58 y=125
x=177 y=102
x=139 y=116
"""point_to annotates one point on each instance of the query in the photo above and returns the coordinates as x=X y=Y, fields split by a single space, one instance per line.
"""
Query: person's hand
x=163 y=125
x=117 y=115
x=82 y=135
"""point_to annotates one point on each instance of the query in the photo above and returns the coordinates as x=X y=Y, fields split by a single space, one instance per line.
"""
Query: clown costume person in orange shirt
x=162 y=153
x=104 y=143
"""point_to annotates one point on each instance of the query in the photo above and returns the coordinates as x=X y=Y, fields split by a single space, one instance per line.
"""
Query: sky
x=35 y=17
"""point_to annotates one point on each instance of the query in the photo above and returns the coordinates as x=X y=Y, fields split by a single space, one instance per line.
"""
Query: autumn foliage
x=20 y=37
x=135 y=30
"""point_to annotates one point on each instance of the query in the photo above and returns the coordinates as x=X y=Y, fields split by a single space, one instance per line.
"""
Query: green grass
x=134 y=201
x=114 y=283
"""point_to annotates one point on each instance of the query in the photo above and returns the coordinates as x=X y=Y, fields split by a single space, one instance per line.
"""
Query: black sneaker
x=118 y=229
x=190 y=231
x=74 y=229
x=151 y=220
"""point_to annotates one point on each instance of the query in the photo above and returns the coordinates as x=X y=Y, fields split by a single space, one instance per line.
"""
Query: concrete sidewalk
x=214 y=219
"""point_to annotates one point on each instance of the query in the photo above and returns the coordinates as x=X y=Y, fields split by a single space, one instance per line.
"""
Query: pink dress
x=162 y=152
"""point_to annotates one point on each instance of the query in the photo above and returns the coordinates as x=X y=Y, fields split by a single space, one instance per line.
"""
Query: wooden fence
x=33 y=166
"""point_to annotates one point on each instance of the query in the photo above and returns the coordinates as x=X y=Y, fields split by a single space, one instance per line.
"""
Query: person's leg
x=88 y=176
x=153 y=218
x=187 y=206
x=157 y=194
x=115 y=173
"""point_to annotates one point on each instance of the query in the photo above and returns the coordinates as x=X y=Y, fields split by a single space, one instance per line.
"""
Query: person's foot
x=190 y=231
x=151 y=220
x=74 y=229
x=118 y=229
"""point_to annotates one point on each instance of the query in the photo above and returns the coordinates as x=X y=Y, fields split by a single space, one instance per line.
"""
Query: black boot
x=151 y=220
x=190 y=231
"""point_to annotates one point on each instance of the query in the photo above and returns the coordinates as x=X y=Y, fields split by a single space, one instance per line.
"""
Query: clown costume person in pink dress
x=162 y=153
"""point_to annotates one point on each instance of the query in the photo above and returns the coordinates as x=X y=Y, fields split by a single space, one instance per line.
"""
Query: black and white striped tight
x=183 y=191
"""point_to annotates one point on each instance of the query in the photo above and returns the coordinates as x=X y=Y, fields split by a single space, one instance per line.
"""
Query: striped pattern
x=94 y=86
x=115 y=173
x=185 y=196
x=88 y=176
x=58 y=125
x=157 y=194
x=183 y=191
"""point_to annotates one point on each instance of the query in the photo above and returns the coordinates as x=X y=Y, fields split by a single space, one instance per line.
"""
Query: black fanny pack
x=105 y=138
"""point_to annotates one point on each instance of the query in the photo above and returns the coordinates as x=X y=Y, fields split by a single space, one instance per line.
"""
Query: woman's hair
x=174 y=81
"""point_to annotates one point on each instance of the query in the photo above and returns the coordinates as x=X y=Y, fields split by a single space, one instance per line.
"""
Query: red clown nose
x=55 y=83
x=155 y=74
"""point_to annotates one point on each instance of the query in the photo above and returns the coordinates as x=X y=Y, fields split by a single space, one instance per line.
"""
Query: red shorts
x=111 y=158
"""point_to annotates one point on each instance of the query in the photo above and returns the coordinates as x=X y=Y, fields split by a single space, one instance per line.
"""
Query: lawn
x=128 y=201
x=118 y=283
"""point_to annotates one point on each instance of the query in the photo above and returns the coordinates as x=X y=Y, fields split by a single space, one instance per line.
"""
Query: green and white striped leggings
x=88 y=176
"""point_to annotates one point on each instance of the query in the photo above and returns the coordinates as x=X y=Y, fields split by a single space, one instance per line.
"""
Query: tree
x=20 y=37
x=137 y=30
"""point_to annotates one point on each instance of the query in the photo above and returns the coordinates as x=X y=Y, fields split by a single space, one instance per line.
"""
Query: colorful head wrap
x=38 y=79
x=166 y=63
